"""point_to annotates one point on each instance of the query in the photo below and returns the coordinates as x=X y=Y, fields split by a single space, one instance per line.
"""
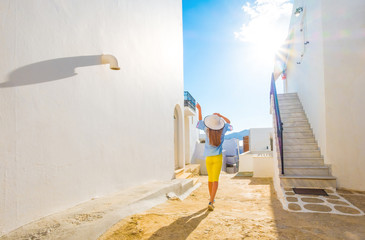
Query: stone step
x=288 y=135
x=297 y=129
x=302 y=161
x=290 y=107
x=193 y=168
x=186 y=185
x=296 y=124
x=185 y=175
x=195 y=180
x=307 y=170
x=288 y=94
x=291 y=110
x=294 y=181
x=295 y=141
x=178 y=172
x=288 y=97
x=294 y=119
x=283 y=97
x=287 y=106
x=286 y=102
x=297 y=147
x=302 y=154
x=293 y=115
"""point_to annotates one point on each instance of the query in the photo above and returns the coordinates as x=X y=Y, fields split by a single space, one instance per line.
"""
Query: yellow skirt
x=214 y=166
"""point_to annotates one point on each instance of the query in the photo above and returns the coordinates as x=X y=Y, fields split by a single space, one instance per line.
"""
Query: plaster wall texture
x=72 y=129
x=253 y=162
x=246 y=162
x=198 y=152
x=344 y=57
x=194 y=135
x=260 y=139
x=307 y=78
x=263 y=166
x=330 y=84
x=191 y=137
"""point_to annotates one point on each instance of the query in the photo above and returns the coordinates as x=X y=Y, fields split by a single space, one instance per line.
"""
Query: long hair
x=215 y=137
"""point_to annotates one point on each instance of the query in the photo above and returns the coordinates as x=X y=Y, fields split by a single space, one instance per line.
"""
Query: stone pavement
x=334 y=203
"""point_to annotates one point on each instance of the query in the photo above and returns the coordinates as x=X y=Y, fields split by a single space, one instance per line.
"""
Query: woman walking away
x=214 y=126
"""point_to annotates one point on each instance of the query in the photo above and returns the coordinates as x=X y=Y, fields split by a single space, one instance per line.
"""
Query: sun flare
x=267 y=28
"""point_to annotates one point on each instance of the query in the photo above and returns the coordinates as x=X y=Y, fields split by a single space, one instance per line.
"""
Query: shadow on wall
x=49 y=70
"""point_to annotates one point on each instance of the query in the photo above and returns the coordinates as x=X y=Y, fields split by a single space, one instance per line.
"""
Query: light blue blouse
x=210 y=150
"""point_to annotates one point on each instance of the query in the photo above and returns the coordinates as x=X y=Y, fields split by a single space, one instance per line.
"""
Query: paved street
x=246 y=208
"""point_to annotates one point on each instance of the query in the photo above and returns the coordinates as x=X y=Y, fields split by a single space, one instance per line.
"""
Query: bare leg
x=214 y=191
x=210 y=186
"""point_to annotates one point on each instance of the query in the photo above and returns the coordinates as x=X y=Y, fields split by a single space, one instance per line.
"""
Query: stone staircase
x=191 y=171
x=303 y=163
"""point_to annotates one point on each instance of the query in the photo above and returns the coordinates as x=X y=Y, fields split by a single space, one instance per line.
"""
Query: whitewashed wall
x=70 y=128
x=330 y=84
x=307 y=77
x=260 y=139
x=344 y=69
x=191 y=137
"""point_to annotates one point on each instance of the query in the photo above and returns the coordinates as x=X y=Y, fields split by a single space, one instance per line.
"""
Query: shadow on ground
x=182 y=227
x=246 y=208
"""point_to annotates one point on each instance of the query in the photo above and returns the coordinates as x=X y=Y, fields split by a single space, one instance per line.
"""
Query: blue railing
x=279 y=124
x=189 y=101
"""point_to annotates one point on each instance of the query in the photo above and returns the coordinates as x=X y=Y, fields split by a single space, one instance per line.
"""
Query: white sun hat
x=214 y=122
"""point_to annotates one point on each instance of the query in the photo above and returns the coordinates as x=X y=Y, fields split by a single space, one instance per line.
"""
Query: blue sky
x=229 y=50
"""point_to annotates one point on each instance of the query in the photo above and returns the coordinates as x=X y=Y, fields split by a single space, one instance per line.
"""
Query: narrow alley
x=246 y=208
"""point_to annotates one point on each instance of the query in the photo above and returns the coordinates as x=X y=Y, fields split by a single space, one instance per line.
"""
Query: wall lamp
x=298 y=11
x=111 y=60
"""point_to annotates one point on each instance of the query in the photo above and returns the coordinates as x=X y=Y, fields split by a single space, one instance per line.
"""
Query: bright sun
x=266 y=47
x=267 y=28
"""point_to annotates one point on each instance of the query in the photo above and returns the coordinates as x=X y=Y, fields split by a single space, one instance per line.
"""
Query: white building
x=260 y=139
x=326 y=69
x=258 y=161
x=72 y=128
x=191 y=132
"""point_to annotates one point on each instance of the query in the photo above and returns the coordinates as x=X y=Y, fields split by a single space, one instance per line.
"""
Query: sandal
x=210 y=206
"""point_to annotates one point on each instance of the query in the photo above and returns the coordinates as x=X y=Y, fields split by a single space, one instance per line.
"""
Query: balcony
x=189 y=104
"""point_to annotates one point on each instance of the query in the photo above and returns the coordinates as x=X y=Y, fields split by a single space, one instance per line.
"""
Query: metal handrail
x=279 y=123
x=189 y=101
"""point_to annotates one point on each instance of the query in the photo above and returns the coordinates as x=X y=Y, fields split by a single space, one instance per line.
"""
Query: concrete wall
x=330 y=83
x=260 y=139
x=72 y=129
x=344 y=58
